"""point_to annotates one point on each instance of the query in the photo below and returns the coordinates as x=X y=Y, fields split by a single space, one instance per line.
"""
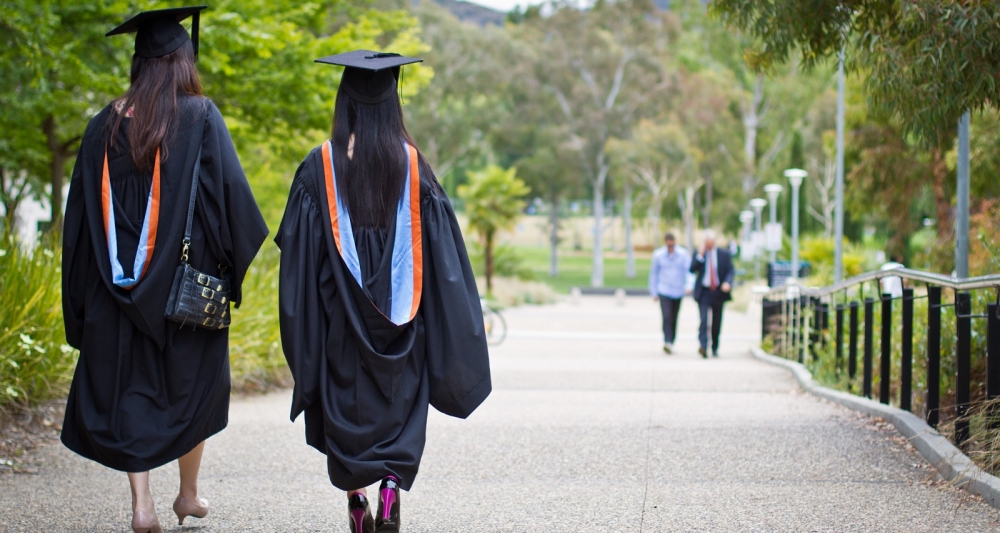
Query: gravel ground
x=590 y=428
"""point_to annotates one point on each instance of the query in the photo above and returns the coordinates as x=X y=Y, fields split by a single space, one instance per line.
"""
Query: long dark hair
x=152 y=97
x=372 y=180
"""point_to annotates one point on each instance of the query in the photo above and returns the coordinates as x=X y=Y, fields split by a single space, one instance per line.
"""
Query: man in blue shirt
x=667 y=275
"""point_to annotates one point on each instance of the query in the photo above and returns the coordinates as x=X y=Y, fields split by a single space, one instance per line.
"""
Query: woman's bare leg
x=189 y=464
x=142 y=499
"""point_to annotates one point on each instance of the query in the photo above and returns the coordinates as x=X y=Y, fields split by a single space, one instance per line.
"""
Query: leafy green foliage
x=928 y=60
x=35 y=361
x=56 y=70
x=256 y=62
x=493 y=201
x=256 y=361
x=452 y=116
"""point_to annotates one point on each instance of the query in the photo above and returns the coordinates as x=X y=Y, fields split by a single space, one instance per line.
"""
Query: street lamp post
x=773 y=190
x=757 y=204
x=795 y=176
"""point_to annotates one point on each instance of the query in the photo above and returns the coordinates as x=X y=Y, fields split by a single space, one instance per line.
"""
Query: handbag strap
x=190 y=214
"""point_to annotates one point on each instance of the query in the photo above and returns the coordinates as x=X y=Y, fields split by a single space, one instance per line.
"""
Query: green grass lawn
x=574 y=268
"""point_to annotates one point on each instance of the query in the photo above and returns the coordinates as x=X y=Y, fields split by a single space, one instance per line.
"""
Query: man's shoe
x=715 y=353
x=702 y=351
x=668 y=348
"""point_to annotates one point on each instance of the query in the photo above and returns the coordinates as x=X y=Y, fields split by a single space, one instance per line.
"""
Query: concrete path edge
x=953 y=465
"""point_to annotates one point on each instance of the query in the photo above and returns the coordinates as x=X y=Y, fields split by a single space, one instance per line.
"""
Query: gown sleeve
x=305 y=286
x=76 y=258
x=238 y=227
x=458 y=365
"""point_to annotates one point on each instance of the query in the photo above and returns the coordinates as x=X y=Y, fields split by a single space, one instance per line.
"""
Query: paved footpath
x=590 y=428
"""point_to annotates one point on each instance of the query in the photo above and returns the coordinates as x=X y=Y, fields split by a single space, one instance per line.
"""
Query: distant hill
x=473 y=13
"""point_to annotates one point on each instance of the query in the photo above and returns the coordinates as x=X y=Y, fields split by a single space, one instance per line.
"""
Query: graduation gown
x=145 y=391
x=363 y=382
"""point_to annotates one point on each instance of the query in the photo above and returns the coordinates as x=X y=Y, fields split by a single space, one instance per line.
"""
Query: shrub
x=255 y=357
x=36 y=364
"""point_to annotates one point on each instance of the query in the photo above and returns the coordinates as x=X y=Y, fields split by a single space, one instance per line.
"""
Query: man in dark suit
x=713 y=269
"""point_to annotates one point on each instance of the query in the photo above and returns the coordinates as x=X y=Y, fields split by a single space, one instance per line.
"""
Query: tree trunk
x=597 y=269
x=751 y=123
x=597 y=266
x=554 y=238
x=61 y=152
x=488 y=253
x=629 y=247
x=942 y=205
x=10 y=200
x=687 y=211
x=706 y=210
x=653 y=216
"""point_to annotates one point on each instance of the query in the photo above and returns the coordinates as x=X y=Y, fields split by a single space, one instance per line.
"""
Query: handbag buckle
x=211 y=309
x=203 y=280
x=207 y=293
x=209 y=322
x=184 y=252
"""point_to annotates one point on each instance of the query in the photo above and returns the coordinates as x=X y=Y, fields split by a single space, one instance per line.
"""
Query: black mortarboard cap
x=369 y=77
x=159 y=32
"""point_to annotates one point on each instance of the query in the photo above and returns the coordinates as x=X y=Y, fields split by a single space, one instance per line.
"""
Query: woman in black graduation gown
x=146 y=391
x=380 y=316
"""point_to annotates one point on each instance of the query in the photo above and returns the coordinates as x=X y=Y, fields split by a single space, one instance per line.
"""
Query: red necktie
x=713 y=281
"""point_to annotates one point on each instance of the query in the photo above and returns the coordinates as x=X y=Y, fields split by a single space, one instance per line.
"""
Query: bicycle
x=496 y=326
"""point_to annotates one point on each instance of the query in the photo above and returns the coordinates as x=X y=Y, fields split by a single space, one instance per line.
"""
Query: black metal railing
x=796 y=321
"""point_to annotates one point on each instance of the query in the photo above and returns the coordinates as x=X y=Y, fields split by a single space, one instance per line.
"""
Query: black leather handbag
x=196 y=298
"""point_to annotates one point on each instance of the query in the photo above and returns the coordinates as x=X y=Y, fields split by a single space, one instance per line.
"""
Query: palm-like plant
x=493 y=201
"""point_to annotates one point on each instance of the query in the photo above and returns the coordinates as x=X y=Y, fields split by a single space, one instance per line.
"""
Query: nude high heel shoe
x=184 y=508
x=143 y=522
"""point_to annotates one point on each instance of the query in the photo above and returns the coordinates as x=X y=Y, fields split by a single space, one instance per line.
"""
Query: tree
x=452 y=118
x=57 y=70
x=818 y=136
x=929 y=60
x=658 y=157
x=601 y=66
x=530 y=135
x=493 y=202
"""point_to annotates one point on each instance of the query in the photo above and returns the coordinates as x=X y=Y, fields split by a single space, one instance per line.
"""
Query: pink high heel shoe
x=143 y=522
x=184 y=508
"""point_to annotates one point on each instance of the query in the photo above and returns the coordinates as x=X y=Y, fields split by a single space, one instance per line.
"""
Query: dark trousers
x=670 y=307
x=705 y=304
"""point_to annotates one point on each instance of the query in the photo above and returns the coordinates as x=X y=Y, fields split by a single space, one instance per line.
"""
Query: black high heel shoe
x=361 y=516
x=388 y=506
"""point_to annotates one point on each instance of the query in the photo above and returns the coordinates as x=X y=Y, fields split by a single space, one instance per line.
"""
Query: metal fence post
x=852 y=358
x=885 y=364
x=764 y=309
x=933 y=354
x=963 y=355
x=793 y=332
x=839 y=342
x=823 y=322
x=992 y=351
x=784 y=327
x=869 y=348
x=803 y=317
x=906 y=365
